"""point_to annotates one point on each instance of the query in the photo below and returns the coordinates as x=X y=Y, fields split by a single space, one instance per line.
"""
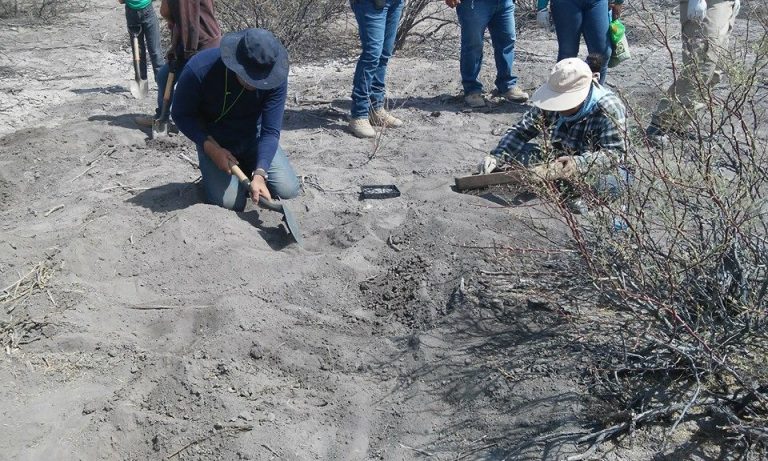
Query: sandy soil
x=157 y=326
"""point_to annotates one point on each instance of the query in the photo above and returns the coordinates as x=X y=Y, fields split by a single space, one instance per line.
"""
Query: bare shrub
x=37 y=9
x=682 y=258
x=290 y=20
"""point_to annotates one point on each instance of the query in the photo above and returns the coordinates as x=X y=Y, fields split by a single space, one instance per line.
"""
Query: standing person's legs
x=567 y=16
x=151 y=30
x=474 y=16
x=595 y=23
x=371 y=24
x=503 y=36
x=392 y=11
x=703 y=44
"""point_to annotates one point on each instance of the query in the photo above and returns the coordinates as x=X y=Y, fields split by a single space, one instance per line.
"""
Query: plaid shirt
x=596 y=140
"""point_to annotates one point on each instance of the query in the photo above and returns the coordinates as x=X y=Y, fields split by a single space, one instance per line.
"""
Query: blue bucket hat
x=256 y=56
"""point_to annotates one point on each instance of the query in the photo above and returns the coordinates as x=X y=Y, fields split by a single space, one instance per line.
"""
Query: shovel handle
x=136 y=56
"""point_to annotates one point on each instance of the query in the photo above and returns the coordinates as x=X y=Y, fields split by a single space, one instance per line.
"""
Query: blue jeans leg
x=474 y=16
x=503 y=36
x=226 y=191
x=574 y=18
x=377 y=29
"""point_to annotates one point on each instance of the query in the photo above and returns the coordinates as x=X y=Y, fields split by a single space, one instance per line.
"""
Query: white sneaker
x=475 y=100
x=515 y=94
x=380 y=117
x=361 y=128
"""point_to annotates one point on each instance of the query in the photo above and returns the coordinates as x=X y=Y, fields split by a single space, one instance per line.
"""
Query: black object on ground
x=379 y=192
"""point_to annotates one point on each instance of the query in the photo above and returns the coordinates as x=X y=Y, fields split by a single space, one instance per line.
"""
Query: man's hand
x=488 y=164
x=452 y=3
x=561 y=168
x=616 y=9
x=221 y=157
x=566 y=167
x=697 y=10
x=259 y=188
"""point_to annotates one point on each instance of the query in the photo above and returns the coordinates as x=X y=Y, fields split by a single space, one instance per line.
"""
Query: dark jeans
x=498 y=16
x=143 y=23
x=378 y=29
x=590 y=18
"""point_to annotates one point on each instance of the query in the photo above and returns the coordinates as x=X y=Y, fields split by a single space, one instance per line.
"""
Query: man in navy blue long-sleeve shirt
x=230 y=101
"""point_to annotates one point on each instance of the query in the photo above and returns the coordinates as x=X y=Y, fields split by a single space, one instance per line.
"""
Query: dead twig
x=209 y=436
x=417 y=450
x=54 y=209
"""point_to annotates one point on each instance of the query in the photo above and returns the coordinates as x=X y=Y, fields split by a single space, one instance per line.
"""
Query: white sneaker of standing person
x=361 y=127
x=380 y=117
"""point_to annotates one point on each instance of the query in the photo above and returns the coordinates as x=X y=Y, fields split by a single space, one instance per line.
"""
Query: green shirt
x=137 y=4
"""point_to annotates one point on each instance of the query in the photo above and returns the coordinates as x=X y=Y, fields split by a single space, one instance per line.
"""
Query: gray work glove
x=488 y=164
x=697 y=10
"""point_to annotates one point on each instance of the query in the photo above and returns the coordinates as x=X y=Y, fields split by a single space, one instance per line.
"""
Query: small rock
x=537 y=303
x=89 y=408
x=256 y=353
x=435 y=113
x=218 y=426
x=271 y=417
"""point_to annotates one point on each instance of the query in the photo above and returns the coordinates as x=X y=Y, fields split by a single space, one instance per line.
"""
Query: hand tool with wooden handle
x=290 y=220
x=139 y=87
x=160 y=126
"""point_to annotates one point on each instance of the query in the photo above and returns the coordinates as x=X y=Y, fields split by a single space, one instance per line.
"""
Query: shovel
x=160 y=126
x=288 y=218
x=139 y=87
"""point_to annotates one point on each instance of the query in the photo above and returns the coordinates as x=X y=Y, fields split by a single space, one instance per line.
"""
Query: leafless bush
x=38 y=9
x=422 y=19
x=683 y=255
x=290 y=20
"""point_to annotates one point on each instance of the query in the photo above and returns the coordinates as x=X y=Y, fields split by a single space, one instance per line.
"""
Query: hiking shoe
x=144 y=121
x=475 y=100
x=380 y=117
x=515 y=94
x=576 y=206
x=362 y=128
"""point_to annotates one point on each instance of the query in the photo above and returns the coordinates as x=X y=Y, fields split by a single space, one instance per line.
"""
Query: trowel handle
x=240 y=175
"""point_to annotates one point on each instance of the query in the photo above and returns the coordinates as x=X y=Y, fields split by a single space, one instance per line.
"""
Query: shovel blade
x=292 y=225
x=139 y=89
x=159 y=129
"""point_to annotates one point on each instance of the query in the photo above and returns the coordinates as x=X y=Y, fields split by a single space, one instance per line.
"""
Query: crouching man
x=585 y=125
x=230 y=101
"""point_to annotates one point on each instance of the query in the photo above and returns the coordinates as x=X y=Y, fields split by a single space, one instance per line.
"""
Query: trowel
x=288 y=217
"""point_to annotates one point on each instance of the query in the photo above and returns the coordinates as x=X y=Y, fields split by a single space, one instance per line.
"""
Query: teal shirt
x=137 y=4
